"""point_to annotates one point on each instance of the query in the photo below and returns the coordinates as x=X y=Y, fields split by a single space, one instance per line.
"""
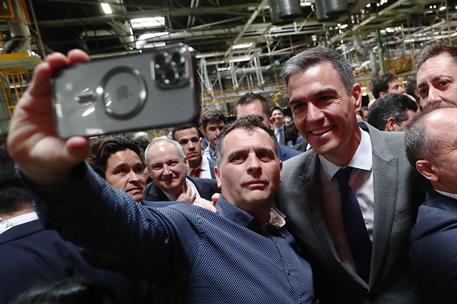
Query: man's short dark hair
x=248 y=122
x=381 y=84
x=13 y=194
x=433 y=50
x=104 y=147
x=274 y=109
x=390 y=105
x=308 y=58
x=251 y=97
x=213 y=115
x=184 y=127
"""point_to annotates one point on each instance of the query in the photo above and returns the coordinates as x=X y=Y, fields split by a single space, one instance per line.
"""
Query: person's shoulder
x=286 y=153
x=203 y=181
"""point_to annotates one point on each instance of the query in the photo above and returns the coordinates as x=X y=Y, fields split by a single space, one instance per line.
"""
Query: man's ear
x=381 y=94
x=391 y=125
x=186 y=161
x=217 y=173
x=428 y=170
x=357 y=94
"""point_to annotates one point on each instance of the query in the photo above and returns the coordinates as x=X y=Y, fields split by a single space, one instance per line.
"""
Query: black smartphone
x=152 y=89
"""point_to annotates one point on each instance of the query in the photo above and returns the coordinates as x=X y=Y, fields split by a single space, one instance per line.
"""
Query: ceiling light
x=141 y=23
x=442 y=8
x=242 y=46
x=106 y=8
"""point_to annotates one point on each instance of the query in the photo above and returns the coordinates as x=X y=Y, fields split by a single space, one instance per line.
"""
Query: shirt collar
x=6 y=224
x=362 y=158
x=451 y=195
x=203 y=165
x=243 y=218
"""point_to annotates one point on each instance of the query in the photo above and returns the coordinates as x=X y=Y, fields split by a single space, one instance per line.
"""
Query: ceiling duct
x=283 y=11
x=19 y=29
x=336 y=7
x=321 y=11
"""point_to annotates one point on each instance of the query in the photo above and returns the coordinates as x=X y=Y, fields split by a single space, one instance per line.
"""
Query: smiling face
x=324 y=112
x=166 y=168
x=125 y=170
x=249 y=173
x=437 y=81
x=277 y=118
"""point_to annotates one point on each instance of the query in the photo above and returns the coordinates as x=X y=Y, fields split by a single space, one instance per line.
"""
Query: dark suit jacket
x=30 y=254
x=206 y=188
x=397 y=195
x=434 y=248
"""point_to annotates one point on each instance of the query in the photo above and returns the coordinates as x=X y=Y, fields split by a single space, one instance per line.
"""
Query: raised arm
x=42 y=157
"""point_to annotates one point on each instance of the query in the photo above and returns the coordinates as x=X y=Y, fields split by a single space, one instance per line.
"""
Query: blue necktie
x=354 y=225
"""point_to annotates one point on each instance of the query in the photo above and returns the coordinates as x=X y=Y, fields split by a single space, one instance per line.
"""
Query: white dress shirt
x=204 y=167
x=6 y=224
x=361 y=183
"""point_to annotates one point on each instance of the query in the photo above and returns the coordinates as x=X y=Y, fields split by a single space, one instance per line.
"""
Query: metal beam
x=175 y=12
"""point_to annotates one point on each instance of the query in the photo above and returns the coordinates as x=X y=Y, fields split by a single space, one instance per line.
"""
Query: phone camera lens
x=161 y=61
x=177 y=59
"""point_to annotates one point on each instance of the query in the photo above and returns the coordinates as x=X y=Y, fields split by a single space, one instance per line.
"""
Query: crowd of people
x=321 y=207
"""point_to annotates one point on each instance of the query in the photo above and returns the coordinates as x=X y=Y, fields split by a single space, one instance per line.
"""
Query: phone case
x=156 y=88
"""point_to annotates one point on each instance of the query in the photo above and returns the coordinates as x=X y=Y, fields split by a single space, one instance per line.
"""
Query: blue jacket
x=434 y=248
x=285 y=152
x=31 y=254
x=210 y=257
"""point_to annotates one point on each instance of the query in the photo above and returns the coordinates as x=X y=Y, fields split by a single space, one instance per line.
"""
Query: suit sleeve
x=136 y=239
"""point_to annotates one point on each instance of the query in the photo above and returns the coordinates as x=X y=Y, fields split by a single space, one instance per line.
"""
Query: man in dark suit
x=354 y=223
x=256 y=104
x=431 y=148
x=166 y=165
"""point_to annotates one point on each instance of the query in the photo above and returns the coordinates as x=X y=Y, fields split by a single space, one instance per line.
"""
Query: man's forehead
x=123 y=154
x=215 y=123
x=188 y=131
x=432 y=67
x=241 y=132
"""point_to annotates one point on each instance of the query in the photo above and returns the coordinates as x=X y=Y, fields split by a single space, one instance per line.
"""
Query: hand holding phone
x=156 y=88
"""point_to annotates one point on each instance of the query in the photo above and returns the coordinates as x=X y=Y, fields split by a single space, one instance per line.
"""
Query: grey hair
x=308 y=58
x=158 y=140
x=434 y=50
x=417 y=142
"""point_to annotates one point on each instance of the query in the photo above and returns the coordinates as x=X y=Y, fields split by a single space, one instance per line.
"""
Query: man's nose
x=166 y=169
x=434 y=96
x=253 y=163
x=314 y=113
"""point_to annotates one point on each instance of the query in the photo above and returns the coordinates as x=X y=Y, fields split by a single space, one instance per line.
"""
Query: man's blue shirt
x=208 y=257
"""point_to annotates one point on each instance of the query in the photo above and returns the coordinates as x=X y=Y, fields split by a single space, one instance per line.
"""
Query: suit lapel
x=385 y=183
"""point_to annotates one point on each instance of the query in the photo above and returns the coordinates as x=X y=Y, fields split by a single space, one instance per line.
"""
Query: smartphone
x=152 y=89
